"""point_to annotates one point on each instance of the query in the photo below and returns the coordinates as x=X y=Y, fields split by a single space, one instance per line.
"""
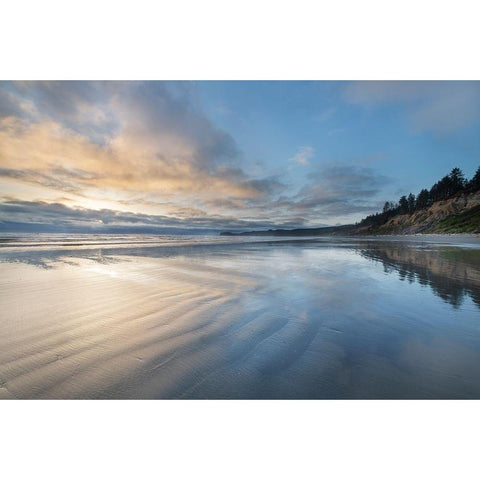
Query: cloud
x=43 y=216
x=335 y=131
x=349 y=181
x=143 y=154
x=153 y=138
x=81 y=106
x=325 y=115
x=440 y=107
x=337 y=191
x=32 y=176
x=303 y=155
x=9 y=105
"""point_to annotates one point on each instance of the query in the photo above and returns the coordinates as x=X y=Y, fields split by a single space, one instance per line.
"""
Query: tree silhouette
x=411 y=202
x=403 y=204
x=423 y=199
x=457 y=181
x=450 y=185
x=474 y=184
x=387 y=207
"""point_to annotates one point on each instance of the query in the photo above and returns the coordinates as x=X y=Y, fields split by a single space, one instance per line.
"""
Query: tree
x=411 y=202
x=403 y=204
x=449 y=186
x=423 y=199
x=442 y=189
x=457 y=181
x=474 y=183
x=434 y=192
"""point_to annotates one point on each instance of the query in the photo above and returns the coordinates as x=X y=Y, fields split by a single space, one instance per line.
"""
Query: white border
x=239 y=40
x=248 y=39
x=240 y=439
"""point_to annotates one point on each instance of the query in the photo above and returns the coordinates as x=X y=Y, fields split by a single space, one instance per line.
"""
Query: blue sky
x=226 y=155
x=272 y=119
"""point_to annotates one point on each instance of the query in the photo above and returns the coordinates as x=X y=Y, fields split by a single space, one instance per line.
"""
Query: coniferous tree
x=474 y=183
x=423 y=199
x=403 y=204
x=411 y=202
x=449 y=186
x=457 y=181
x=434 y=192
x=442 y=189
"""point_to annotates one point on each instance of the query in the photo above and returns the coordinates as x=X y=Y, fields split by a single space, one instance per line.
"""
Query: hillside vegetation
x=452 y=205
x=464 y=222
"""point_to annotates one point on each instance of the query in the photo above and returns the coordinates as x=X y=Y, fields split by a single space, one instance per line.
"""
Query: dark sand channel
x=256 y=318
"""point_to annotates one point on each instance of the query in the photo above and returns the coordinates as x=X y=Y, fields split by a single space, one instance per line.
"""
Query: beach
x=201 y=318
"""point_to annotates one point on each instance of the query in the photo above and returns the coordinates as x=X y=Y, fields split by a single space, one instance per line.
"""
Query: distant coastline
x=300 y=232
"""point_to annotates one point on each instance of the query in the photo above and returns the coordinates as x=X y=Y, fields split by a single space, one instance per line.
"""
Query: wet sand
x=327 y=319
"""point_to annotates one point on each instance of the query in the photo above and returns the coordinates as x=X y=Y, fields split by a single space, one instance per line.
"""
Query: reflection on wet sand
x=290 y=319
x=452 y=273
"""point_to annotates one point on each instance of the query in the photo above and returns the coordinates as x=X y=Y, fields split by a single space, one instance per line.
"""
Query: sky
x=200 y=156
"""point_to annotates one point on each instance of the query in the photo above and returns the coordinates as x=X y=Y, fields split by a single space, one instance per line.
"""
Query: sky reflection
x=329 y=318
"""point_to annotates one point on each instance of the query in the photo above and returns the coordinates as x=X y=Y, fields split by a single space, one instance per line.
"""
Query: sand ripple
x=272 y=322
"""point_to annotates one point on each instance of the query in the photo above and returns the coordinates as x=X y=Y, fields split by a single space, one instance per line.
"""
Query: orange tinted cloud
x=161 y=147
